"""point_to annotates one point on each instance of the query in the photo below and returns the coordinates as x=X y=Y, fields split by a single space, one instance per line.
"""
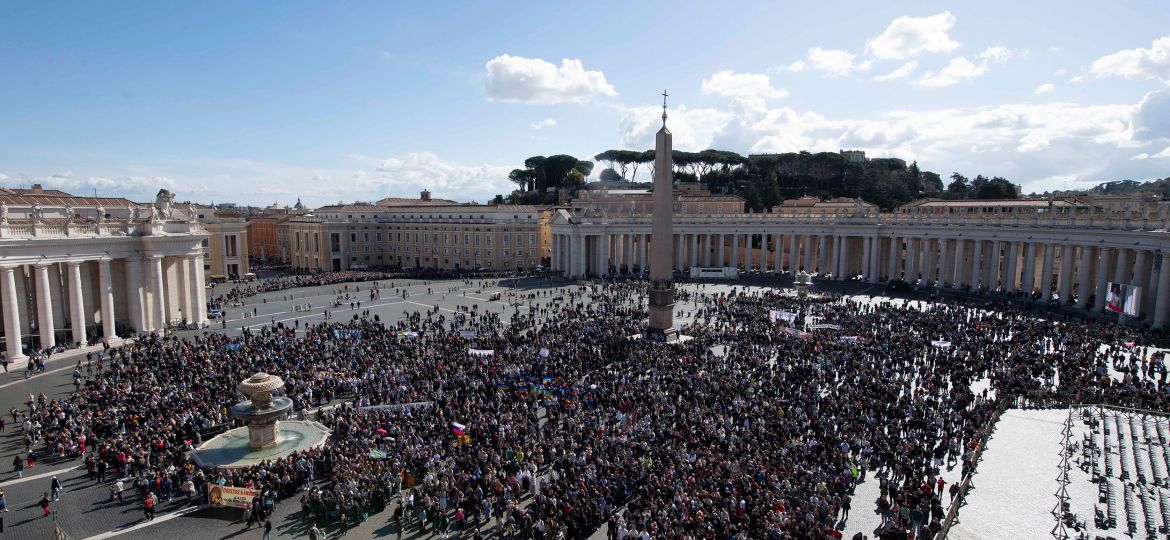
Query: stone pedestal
x=261 y=434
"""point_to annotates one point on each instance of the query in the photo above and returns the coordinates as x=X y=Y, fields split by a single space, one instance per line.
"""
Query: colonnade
x=63 y=301
x=1073 y=269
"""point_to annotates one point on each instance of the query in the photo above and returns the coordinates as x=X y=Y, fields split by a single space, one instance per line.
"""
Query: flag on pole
x=458 y=428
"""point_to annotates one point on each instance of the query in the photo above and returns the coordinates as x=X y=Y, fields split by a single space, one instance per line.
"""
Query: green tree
x=610 y=175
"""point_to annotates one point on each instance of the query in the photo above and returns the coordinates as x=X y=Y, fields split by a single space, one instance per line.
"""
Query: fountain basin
x=232 y=449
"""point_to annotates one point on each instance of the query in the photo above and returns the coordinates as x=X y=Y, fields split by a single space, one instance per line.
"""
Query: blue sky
x=261 y=102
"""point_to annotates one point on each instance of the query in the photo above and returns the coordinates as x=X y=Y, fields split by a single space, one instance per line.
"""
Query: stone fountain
x=803 y=283
x=262 y=411
x=266 y=435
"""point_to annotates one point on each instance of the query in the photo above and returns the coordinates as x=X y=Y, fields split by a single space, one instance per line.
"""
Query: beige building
x=419 y=234
x=265 y=239
x=225 y=250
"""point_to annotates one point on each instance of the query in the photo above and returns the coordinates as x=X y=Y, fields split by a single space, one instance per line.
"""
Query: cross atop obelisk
x=664 y=94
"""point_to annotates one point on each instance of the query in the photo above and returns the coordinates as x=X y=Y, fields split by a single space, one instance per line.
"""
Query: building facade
x=1042 y=249
x=76 y=268
x=265 y=242
x=437 y=236
x=225 y=250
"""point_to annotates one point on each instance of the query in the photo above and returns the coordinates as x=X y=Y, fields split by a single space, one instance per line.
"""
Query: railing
x=59 y=230
x=1142 y=223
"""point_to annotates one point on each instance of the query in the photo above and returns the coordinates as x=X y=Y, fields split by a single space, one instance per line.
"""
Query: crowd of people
x=549 y=421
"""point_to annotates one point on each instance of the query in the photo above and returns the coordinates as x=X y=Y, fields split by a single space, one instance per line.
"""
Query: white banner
x=543 y=352
x=824 y=327
x=398 y=406
x=481 y=352
x=786 y=316
x=233 y=497
x=940 y=343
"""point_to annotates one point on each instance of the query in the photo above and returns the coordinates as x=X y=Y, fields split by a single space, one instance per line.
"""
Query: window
x=532 y=239
x=379 y=236
x=519 y=239
x=489 y=239
x=353 y=237
x=399 y=237
x=477 y=239
x=505 y=239
x=207 y=242
x=365 y=237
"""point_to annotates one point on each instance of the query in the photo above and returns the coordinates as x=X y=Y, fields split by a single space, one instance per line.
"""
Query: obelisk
x=661 y=248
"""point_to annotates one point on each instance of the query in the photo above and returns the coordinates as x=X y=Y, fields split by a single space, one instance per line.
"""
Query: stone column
x=134 y=294
x=1084 y=275
x=158 y=302
x=1120 y=270
x=944 y=262
x=976 y=265
x=777 y=252
x=194 y=286
x=106 y=288
x=793 y=253
x=641 y=253
x=76 y=303
x=895 y=257
x=838 y=257
x=187 y=294
x=1102 y=278
x=1140 y=272
x=720 y=255
x=12 y=337
x=679 y=252
x=628 y=251
x=555 y=262
x=1029 y=278
x=913 y=248
x=993 y=262
x=734 y=251
x=45 y=308
x=961 y=267
x=1162 y=306
x=807 y=255
x=694 y=250
x=200 y=280
x=1012 y=279
x=1066 y=272
x=822 y=252
x=1046 y=271
x=866 y=253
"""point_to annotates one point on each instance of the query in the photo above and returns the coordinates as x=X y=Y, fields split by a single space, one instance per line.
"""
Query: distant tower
x=661 y=250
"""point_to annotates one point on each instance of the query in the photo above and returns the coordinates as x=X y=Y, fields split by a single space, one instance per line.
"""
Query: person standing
x=45 y=504
x=55 y=488
x=18 y=466
x=267 y=529
x=148 y=506
x=3 y=502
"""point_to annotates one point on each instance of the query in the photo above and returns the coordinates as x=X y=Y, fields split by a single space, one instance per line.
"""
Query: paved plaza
x=85 y=509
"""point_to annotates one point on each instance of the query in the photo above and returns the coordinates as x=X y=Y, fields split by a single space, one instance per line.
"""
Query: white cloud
x=910 y=36
x=957 y=70
x=1045 y=88
x=1061 y=72
x=546 y=123
x=4 y=177
x=516 y=79
x=131 y=186
x=997 y=54
x=834 y=62
x=1054 y=49
x=728 y=83
x=795 y=66
x=1139 y=63
x=63 y=174
x=693 y=129
x=1165 y=153
x=1033 y=144
x=416 y=171
x=902 y=71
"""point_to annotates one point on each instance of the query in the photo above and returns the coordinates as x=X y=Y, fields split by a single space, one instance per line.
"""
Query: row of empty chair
x=1128 y=455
